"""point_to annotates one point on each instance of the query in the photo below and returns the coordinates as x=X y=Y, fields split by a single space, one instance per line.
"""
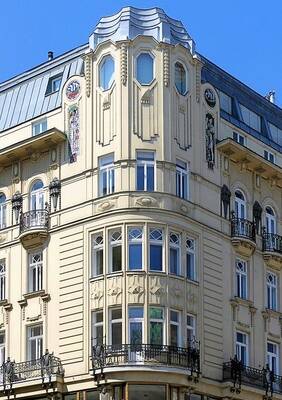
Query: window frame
x=142 y=52
x=112 y=79
x=182 y=93
x=145 y=164
x=239 y=138
x=41 y=122
x=270 y=288
x=113 y=244
x=35 y=271
x=158 y=321
x=183 y=175
x=50 y=89
x=224 y=98
x=269 y=156
x=251 y=117
x=135 y=241
x=95 y=248
x=2 y=347
x=109 y=170
x=240 y=345
x=174 y=323
x=94 y=325
x=241 y=280
x=156 y=242
x=191 y=328
x=3 y=211
x=192 y=252
x=136 y=320
x=113 y=322
x=38 y=339
x=272 y=355
x=3 y=271
x=173 y=246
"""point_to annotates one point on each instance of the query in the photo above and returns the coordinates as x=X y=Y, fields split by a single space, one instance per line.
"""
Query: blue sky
x=243 y=37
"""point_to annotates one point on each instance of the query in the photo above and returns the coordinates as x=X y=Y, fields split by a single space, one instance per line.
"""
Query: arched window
x=180 y=78
x=240 y=205
x=37 y=196
x=270 y=220
x=2 y=211
x=106 y=73
x=145 y=68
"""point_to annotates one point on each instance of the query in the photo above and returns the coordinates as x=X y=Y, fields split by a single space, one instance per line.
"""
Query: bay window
x=181 y=179
x=174 y=328
x=106 y=175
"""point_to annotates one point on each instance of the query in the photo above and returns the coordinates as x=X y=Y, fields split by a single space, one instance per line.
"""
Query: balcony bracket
x=243 y=246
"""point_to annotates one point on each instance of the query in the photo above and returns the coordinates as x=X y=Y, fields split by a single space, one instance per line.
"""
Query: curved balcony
x=47 y=370
x=34 y=227
x=272 y=249
x=107 y=356
x=243 y=235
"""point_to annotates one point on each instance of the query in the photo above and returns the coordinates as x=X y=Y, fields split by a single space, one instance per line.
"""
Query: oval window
x=106 y=74
x=180 y=78
x=145 y=69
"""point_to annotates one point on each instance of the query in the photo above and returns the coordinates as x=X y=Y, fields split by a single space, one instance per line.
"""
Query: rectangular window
x=97 y=328
x=181 y=179
x=116 y=327
x=269 y=156
x=191 y=259
x=225 y=102
x=174 y=253
x=2 y=348
x=39 y=127
x=2 y=280
x=135 y=248
x=241 y=279
x=156 y=325
x=136 y=324
x=35 y=271
x=250 y=118
x=242 y=350
x=115 y=258
x=191 y=329
x=106 y=175
x=276 y=134
x=3 y=209
x=156 y=249
x=239 y=138
x=174 y=328
x=54 y=84
x=273 y=357
x=34 y=342
x=271 y=289
x=97 y=254
x=145 y=179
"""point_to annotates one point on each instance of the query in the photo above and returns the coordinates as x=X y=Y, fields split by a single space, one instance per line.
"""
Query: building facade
x=140 y=222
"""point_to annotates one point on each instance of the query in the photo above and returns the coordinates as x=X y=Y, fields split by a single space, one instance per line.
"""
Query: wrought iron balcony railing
x=34 y=219
x=271 y=242
x=44 y=368
x=141 y=354
x=239 y=374
x=241 y=227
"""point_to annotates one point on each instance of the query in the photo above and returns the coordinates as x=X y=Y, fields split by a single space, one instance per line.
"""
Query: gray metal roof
x=24 y=97
x=130 y=22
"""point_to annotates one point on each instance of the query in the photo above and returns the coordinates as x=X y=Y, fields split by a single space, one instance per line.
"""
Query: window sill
x=3 y=302
x=96 y=278
x=244 y=302
x=115 y=273
x=30 y=295
x=273 y=313
x=192 y=281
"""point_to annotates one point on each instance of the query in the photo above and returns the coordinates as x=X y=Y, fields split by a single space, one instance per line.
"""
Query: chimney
x=50 y=55
x=271 y=96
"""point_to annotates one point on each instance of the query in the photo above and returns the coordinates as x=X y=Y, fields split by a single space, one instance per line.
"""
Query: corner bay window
x=135 y=248
x=106 y=175
x=242 y=347
x=115 y=257
x=156 y=326
x=174 y=253
x=174 y=328
x=97 y=328
x=97 y=254
x=145 y=179
x=35 y=272
x=181 y=179
x=156 y=249
x=2 y=279
x=34 y=342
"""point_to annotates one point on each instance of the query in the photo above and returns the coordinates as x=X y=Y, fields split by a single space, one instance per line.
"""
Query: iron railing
x=240 y=374
x=244 y=228
x=271 y=242
x=34 y=219
x=43 y=368
x=140 y=354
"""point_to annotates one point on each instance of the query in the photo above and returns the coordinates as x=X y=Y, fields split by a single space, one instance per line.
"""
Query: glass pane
x=91 y=395
x=140 y=177
x=146 y=155
x=135 y=256
x=148 y=392
x=135 y=332
x=150 y=178
x=145 y=68
x=173 y=261
x=99 y=334
x=116 y=258
x=156 y=333
x=180 y=78
x=174 y=335
x=107 y=72
x=99 y=262
x=117 y=333
x=117 y=313
x=156 y=313
x=135 y=312
x=156 y=257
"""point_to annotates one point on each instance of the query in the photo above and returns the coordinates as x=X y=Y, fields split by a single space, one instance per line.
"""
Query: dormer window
x=180 y=78
x=39 y=127
x=106 y=73
x=145 y=68
x=54 y=84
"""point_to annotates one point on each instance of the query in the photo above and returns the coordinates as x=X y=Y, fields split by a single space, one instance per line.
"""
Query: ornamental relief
x=114 y=290
x=176 y=293
x=106 y=112
x=157 y=290
x=181 y=120
x=192 y=296
x=34 y=309
x=97 y=294
x=136 y=288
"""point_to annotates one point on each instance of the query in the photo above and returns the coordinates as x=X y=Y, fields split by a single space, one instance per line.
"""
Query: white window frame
x=156 y=242
x=2 y=279
x=95 y=324
x=115 y=321
x=136 y=68
x=114 y=242
x=190 y=327
x=239 y=138
x=241 y=277
x=157 y=320
x=41 y=124
x=178 y=324
x=136 y=320
x=3 y=212
x=270 y=220
x=145 y=164
x=250 y=118
x=269 y=156
x=240 y=345
x=106 y=166
x=192 y=252
x=270 y=356
x=97 y=246
x=182 y=179
x=271 y=288
x=35 y=267
x=132 y=241
x=38 y=339
x=184 y=93
x=176 y=246
x=101 y=65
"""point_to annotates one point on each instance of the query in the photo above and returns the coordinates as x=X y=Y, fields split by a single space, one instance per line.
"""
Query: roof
x=24 y=96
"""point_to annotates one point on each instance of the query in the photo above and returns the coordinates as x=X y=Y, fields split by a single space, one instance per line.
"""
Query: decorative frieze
x=123 y=63
x=166 y=67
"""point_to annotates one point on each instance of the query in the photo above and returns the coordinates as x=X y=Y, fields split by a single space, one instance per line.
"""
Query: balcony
x=34 y=227
x=45 y=371
x=243 y=235
x=272 y=249
x=107 y=356
x=239 y=374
